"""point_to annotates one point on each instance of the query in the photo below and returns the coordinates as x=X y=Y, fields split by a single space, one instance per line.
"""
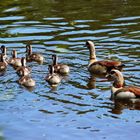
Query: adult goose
x=119 y=91
x=100 y=67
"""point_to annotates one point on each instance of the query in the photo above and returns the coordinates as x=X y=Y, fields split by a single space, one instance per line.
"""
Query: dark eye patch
x=112 y=72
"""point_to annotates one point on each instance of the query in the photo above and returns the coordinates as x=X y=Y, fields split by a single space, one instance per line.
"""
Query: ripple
x=27 y=38
x=11 y=18
x=55 y=18
x=121 y=24
x=80 y=106
x=23 y=30
x=127 y=18
x=13 y=9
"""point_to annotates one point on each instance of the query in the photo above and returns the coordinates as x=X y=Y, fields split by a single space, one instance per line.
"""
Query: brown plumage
x=14 y=61
x=60 y=68
x=133 y=89
x=100 y=67
x=4 y=52
x=26 y=80
x=53 y=78
x=31 y=56
x=23 y=70
x=3 y=63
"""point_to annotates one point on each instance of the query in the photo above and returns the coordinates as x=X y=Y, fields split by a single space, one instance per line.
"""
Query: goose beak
x=108 y=76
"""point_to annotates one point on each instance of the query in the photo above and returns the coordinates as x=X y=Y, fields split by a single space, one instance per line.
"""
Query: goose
x=53 y=78
x=3 y=63
x=60 y=68
x=26 y=80
x=14 y=61
x=119 y=91
x=4 y=52
x=100 y=67
x=31 y=56
x=23 y=70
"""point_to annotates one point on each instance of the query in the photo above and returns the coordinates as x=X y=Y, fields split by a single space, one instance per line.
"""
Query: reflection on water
x=80 y=107
x=119 y=106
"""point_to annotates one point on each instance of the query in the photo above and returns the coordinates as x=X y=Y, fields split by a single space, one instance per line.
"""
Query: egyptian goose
x=60 y=68
x=26 y=80
x=53 y=78
x=14 y=61
x=23 y=70
x=3 y=63
x=31 y=56
x=119 y=91
x=100 y=67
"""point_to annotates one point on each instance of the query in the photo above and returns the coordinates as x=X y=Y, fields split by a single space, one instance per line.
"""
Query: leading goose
x=100 y=67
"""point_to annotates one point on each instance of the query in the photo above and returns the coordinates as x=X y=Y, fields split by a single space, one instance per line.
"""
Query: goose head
x=29 y=49
x=117 y=77
x=54 y=59
x=3 y=49
x=118 y=80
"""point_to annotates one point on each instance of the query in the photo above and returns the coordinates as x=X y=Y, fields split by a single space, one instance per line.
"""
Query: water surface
x=79 y=108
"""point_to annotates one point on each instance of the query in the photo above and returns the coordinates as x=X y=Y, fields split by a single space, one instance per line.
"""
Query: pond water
x=78 y=108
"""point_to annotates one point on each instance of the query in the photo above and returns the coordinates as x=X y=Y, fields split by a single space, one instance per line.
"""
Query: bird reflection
x=120 y=105
x=53 y=88
x=29 y=88
x=92 y=80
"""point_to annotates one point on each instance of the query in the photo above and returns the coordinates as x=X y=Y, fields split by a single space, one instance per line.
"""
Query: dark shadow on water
x=120 y=105
x=27 y=88
x=2 y=73
x=91 y=84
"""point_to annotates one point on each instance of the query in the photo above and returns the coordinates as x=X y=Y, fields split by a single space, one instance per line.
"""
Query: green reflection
x=1 y=134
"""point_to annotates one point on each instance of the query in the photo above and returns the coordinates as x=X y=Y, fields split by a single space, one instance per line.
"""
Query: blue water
x=79 y=108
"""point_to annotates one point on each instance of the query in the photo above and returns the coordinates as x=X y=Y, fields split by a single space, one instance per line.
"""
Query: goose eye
x=112 y=72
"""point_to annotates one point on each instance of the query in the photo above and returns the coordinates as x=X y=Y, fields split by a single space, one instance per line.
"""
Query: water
x=78 y=108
